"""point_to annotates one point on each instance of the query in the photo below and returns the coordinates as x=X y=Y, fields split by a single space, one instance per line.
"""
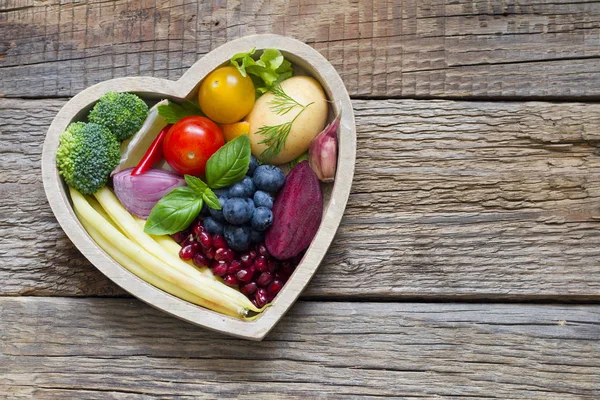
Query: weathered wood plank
x=118 y=348
x=450 y=200
x=407 y=48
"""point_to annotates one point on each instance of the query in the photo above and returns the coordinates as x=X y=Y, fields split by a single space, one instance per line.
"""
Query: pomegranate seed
x=224 y=254
x=275 y=287
x=254 y=302
x=262 y=250
x=261 y=297
x=188 y=240
x=261 y=264
x=218 y=242
x=220 y=268
x=205 y=239
x=252 y=271
x=252 y=254
x=246 y=260
x=209 y=253
x=234 y=267
x=244 y=275
x=179 y=236
x=248 y=288
x=264 y=279
x=231 y=280
x=272 y=266
x=186 y=253
x=195 y=247
x=198 y=229
x=200 y=260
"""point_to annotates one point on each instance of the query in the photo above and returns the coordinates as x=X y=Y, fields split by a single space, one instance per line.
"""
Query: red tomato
x=189 y=144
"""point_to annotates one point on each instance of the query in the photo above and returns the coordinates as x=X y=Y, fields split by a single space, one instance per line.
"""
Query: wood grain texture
x=407 y=48
x=85 y=349
x=450 y=200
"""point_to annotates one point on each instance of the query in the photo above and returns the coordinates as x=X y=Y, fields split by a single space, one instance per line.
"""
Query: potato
x=309 y=123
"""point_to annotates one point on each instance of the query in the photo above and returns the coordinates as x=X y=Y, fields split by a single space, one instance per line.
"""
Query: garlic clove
x=322 y=153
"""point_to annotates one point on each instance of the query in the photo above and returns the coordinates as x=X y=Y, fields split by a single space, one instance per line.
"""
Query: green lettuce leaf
x=271 y=68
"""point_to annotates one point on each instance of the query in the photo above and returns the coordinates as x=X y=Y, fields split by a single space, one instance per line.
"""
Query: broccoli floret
x=86 y=155
x=122 y=113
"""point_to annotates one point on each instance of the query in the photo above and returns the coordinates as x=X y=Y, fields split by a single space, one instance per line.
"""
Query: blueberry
x=263 y=199
x=262 y=219
x=224 y=192
x=213 y=226
x=245 y=188
x=252 y=166
x=256 y=236
x=269 y=178
x=236 y=211
x=237 y=190
x=249 y=185
x=218 y=214
x=251 y=207
x=237 y=237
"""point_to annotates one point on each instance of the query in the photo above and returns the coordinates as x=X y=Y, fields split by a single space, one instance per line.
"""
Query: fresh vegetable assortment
x=192 y=197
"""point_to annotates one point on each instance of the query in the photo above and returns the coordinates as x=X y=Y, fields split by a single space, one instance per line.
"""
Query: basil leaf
x=173 y=112
x=211 y=199
x=229 y=164
x=174 y=212
x=195 y=184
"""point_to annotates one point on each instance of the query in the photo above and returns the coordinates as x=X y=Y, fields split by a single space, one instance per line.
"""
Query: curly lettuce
x=270 y=69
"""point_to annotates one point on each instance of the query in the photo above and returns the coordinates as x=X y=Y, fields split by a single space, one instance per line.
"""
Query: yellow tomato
x=225 y=96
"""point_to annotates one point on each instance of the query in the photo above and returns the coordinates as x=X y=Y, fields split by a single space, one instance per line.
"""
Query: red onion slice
x=138 y=194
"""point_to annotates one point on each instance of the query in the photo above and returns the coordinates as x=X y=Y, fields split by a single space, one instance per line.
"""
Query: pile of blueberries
x=246 y=207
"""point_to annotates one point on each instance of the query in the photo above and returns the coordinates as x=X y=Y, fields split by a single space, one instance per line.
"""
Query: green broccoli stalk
x=122 y=113
x=86 y=155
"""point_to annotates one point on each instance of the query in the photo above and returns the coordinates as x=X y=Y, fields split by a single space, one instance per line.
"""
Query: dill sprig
x=282 y=103
x=275 y=136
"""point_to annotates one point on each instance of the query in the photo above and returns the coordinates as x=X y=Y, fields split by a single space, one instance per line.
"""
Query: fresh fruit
x=245 y=188
x=189 y=144
x=262 y=297
x=251 y=207
x=262 y=219
x=249 y=269
x=297 y=213
x=218 y=214
x=231 y=131
x=238 y=237
x=225 y=96
x=263 y=199
x=269 y=178
x=253 y=165
x=237 y=211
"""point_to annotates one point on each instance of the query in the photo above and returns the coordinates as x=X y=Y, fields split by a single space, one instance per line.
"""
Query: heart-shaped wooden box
x=302 y=56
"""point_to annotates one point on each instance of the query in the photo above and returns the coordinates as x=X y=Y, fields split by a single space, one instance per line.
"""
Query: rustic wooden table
x=467 y=263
